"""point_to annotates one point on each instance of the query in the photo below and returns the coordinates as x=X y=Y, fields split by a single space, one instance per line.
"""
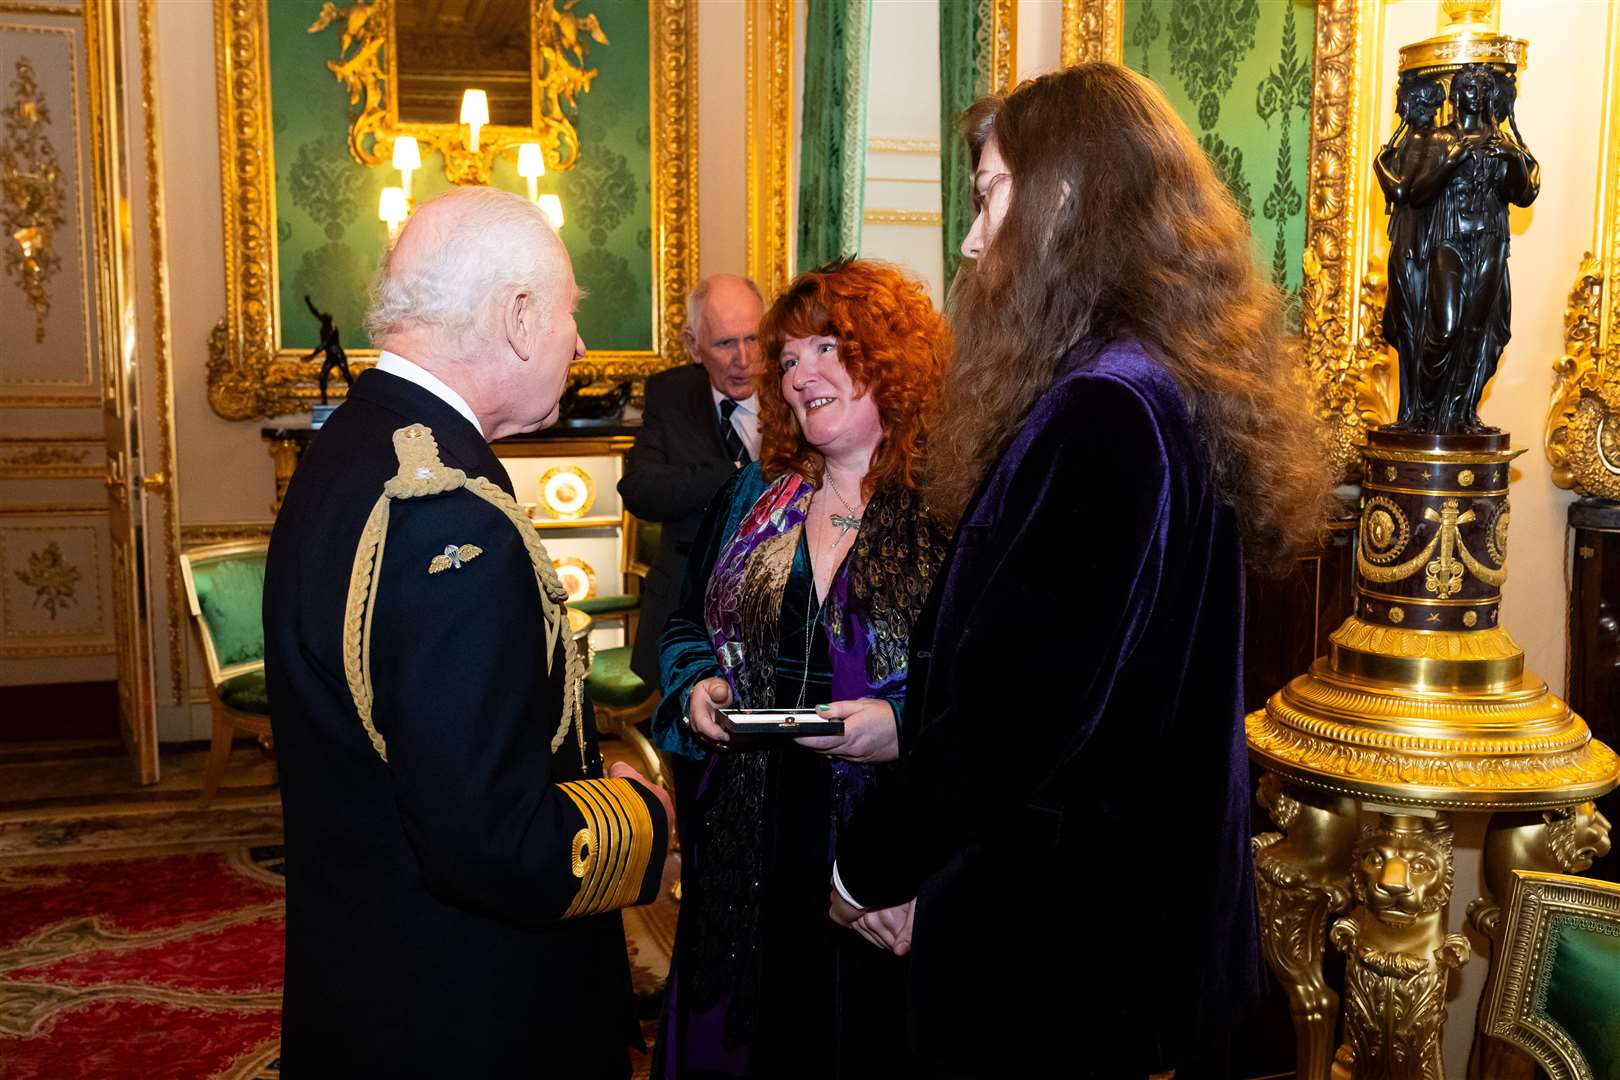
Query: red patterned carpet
x=150 y=946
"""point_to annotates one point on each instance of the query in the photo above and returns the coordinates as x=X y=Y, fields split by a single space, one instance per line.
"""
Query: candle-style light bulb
x=531 y=165
x=551 y=206
x=407 y=159
x=391 y=208
x=475 y=114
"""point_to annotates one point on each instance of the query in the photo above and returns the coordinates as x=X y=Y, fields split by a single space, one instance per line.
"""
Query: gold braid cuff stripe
x=422 y=473
x=610 y=854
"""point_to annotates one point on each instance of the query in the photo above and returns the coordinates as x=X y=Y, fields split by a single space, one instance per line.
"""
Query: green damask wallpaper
x=1239 y=73
x=326 y=205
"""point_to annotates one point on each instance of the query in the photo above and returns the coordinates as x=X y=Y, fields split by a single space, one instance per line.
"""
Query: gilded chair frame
x=226 y=721
x=1579 y=440
x=208 y=554
x=1351 y=370
x=1510 y=994
x=251 y=374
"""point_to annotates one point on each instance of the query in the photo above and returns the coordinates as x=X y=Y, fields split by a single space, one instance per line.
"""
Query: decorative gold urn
x=1423 y=707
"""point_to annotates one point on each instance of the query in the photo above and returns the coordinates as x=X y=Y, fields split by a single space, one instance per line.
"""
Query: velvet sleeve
x=468 y=704
x=685 y=654
x=1061 y=584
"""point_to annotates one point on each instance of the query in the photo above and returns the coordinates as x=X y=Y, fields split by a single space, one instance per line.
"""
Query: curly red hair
x=892 y=342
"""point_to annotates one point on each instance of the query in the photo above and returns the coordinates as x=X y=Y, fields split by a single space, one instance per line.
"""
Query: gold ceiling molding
x=558 y=42
x=1350 y=368
x=1583 y=419
x=251 y=374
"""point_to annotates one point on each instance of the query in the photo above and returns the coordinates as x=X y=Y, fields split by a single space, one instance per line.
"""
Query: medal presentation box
x=789 y=723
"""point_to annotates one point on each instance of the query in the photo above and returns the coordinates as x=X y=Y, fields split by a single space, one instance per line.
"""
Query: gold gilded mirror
x=444 y=46
x=406 y=65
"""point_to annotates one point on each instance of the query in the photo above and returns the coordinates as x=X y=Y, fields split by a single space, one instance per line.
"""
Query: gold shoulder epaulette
x=422 y=473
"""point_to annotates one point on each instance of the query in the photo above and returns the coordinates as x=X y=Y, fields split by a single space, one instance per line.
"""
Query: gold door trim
x=768 y=137
x=250 y=374
x=1350 y=368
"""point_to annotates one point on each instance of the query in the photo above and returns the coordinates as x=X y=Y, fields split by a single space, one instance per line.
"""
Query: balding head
x=475 y=290
x=458 y=253
x=722 y=331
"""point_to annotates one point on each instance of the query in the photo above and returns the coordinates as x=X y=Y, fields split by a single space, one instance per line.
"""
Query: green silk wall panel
x=329 y=240
x=1239 y=73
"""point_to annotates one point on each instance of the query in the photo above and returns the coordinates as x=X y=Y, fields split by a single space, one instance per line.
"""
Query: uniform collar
x=396 y=365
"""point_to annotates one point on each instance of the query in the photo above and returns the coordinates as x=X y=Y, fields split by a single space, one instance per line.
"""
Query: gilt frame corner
x=251 y=375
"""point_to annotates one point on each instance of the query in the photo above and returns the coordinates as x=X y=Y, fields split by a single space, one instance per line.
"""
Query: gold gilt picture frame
x=1351 y=370
x=1583 y=419
x=252 y=374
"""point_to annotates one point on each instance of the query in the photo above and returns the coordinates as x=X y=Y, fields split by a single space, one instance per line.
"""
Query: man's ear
x=689 y=340
x=517 y=315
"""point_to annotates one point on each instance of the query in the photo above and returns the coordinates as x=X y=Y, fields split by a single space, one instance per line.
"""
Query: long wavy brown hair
x=1117 y=226
x=892 y=342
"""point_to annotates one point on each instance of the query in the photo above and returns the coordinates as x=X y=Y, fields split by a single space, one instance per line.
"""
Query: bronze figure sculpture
x=335 y=356
x=1449 y=188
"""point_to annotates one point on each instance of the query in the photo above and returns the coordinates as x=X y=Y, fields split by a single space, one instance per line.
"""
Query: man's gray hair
x=698 y=297
x=498 y=245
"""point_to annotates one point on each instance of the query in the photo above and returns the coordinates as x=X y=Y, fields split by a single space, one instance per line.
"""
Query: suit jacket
x=671 y=475
x=1071 y=805
x=435 y=922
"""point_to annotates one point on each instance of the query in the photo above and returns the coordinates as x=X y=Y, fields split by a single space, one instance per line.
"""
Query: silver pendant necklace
x=846 y=522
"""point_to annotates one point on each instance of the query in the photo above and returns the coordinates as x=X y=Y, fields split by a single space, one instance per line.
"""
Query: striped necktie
x=729 y=435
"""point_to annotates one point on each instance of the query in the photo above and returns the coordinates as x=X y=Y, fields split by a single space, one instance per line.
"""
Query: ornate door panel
x=74 y=600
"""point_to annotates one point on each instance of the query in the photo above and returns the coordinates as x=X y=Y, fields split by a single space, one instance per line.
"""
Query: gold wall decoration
x=1350 y=368
x=31 y=194
x=559 y=41
x=1003 y=45
x=768 y=135
x=54 y=580
x=1582 y=441
x=251 y=374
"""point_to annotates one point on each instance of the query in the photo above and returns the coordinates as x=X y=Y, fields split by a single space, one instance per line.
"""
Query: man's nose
x=1395 y=878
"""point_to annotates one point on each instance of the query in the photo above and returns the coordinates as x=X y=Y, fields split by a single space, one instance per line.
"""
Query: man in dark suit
x=454 y=855
x=700 y=424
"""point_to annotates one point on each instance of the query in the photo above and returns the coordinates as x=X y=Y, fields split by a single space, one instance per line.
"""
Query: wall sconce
x=392 y=208
x=475 y=114
x=531 y=165
x=407 y=159
x=551 y=206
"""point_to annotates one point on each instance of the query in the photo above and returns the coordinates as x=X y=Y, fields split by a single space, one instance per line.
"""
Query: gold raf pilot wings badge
x=454 y=556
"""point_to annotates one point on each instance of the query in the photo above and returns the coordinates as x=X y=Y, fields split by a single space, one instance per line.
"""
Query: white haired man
x=454 y=855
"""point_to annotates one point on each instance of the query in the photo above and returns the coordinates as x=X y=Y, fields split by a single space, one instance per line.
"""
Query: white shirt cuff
x=838 y=883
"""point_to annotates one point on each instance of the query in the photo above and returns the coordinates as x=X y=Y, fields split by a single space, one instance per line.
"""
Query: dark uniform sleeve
x=656 y=488
x=468 y=708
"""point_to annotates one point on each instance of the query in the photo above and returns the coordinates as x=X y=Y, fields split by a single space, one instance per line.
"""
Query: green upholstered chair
x=1555 y=989
x=225 y=588
x=619 y=696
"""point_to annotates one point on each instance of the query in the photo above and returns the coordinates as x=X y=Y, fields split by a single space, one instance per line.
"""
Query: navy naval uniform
x=454 y=858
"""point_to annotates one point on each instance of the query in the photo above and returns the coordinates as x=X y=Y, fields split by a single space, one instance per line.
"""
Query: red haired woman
x=809 y=571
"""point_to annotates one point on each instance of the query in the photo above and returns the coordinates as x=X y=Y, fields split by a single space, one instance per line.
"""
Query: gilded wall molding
x=251 y=375
x=52 y=456
x=1003 y=45
x=1582 y=442
x=224 y=532
x=769 y=140
x=31 y=210
x=1092 y=30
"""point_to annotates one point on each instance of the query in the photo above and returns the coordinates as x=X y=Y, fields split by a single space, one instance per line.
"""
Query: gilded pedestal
x=1422 y=708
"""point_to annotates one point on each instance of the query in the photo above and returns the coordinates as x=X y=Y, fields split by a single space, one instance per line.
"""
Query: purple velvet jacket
x=1072 y=809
